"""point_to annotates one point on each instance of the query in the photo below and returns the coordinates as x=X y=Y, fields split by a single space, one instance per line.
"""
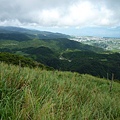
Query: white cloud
x=49 y=17
x=60 y=13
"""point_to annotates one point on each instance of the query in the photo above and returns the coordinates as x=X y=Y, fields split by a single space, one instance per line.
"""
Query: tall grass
x=34 y=94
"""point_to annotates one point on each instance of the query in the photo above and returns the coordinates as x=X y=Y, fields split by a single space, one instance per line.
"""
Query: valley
x=89 y=55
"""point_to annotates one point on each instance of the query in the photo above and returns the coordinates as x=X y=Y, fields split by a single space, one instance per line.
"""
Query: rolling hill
x=58 y=51
x=31 y=33
x=21 y=61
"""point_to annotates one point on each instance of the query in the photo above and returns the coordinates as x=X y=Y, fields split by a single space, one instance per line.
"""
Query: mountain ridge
x=38 y=33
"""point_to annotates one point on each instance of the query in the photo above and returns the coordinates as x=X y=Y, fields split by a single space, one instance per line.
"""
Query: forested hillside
x=101 y=65
x=21 y=61
x=59 y=52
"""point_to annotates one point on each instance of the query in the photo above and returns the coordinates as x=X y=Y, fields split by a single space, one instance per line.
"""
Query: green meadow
x=36 y=94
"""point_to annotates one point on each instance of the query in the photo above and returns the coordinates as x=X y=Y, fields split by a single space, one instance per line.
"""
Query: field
x=35 y=94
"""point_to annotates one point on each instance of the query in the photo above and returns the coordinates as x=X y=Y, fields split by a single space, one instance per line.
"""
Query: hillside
x=21 y=61
x=16 y=37
x=29 y=32
x=56 y=50
x=35 y=94
x=93 y=63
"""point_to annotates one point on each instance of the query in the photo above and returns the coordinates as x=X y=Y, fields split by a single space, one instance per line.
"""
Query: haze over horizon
x=73 y=17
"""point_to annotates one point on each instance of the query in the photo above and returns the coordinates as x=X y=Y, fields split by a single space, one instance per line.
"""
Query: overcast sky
x=61 y=15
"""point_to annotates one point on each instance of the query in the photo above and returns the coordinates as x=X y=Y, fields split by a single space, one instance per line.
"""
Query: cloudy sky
x=75 y=17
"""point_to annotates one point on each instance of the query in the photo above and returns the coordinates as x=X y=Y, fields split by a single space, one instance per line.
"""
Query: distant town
x=112 y=44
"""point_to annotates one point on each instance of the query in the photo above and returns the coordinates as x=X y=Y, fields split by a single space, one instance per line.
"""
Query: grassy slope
x=34 y=94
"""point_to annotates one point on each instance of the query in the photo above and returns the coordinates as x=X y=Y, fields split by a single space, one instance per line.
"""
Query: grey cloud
x=58 y=12
x=18 y=8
